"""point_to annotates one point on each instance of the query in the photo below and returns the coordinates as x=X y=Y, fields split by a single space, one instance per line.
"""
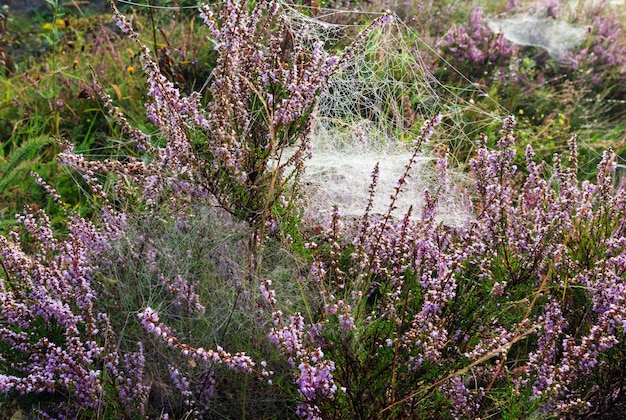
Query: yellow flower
x=47 y=26
x=60 y=23
x=521 y=111
x=130 y=69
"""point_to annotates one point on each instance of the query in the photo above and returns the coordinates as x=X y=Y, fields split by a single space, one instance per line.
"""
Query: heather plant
x=57 y=351
x=244 y=152
x=419 y=318
x=535 y=231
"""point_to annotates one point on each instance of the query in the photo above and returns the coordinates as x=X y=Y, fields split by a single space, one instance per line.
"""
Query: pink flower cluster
x=58 y=344
x=313 y=374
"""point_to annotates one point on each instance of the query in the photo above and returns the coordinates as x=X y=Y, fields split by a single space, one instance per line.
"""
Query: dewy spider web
x=371 y=112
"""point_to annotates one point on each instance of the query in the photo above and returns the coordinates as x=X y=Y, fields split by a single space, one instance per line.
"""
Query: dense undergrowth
x=164 y=262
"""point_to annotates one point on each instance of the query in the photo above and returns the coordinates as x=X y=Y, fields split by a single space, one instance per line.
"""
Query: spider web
x=372 y=112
